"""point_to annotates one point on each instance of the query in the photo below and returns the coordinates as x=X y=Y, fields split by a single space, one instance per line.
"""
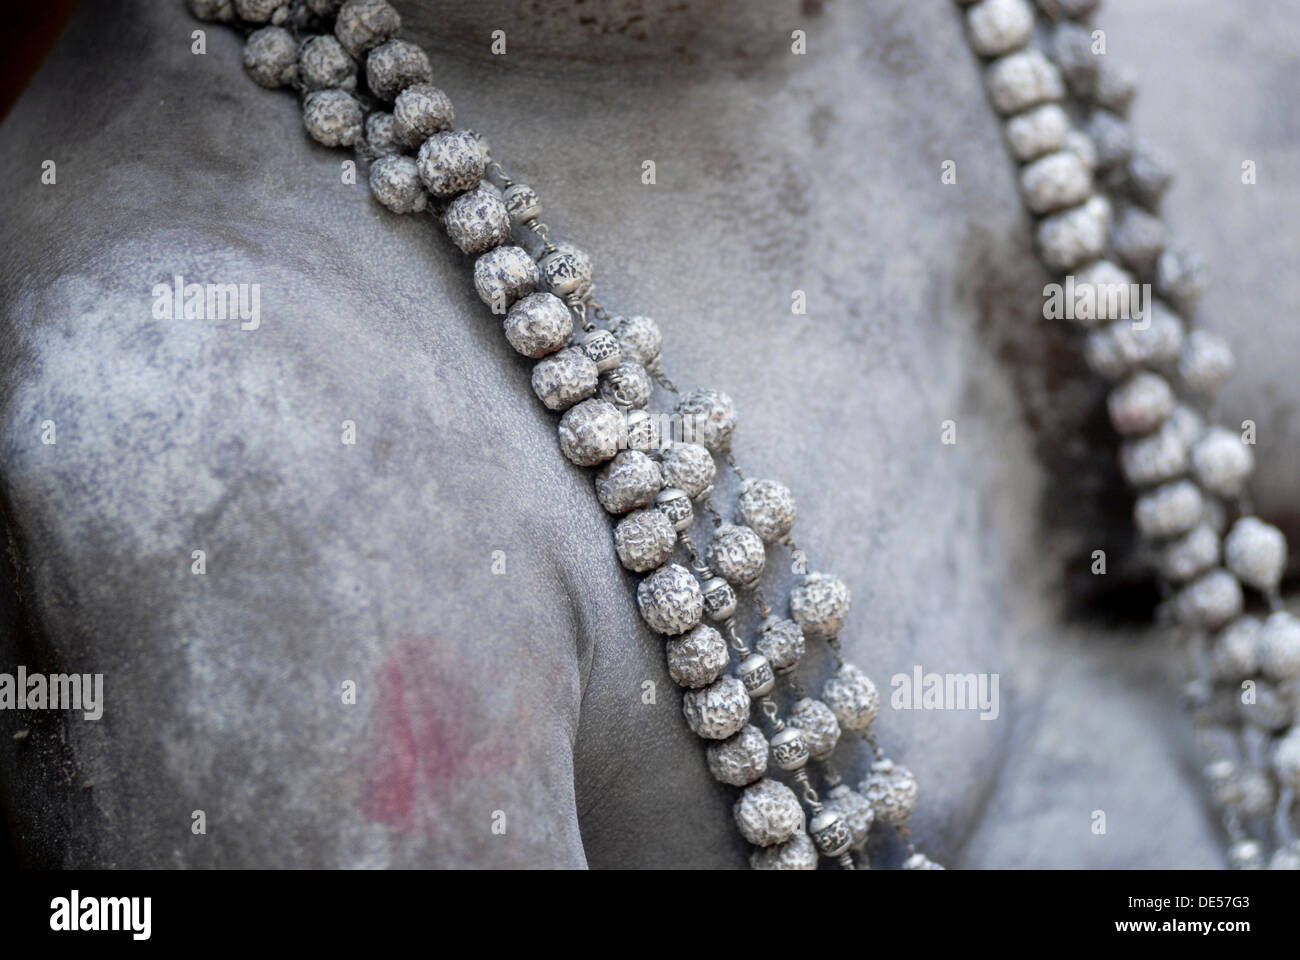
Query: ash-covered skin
x=329 y=562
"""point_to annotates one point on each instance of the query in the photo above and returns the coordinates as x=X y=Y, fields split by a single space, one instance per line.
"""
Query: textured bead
x=1149 y=175
x=503 y=274
x=1111 y=137
x=582 y=261
x=628 y=481
x=1235 y=653
x=670 y=601
x=856 y=811
x=591 y=432
x=332 y=117
x=603 y=350
x=271 y=57
x=1101 y=351
x=1081 y=145
x=1021 y=80
x=1054 y=182
x=563 y=274
x=381 y=138
x=919 y=861
x=1188 y=423
x=1256 y=552
x=676 y=506
x=1286 y=857
x=852 y=697
x=1242 y=791
x=1103 y=292
x=768 y=812
x=1255 y=792
x=1286 y=760
x=1037 y=131
x=689 y=467
x=644 y=539
x=1245 y=855
x=1209 y=601
x=420 y=111
x=797 y=853
x=1122 y=347
x=736 y=553
x=642 y=431
x=1194 y=552
x=1205 y=363
x=1272 y=710
x=639 y=339
x=1071 y=50
x=257 y=11
x=781 y=642
x=1076 y=236
x=717 y=711
x=538 y=324
x=452 y=161
x=564 y=378
x=213 y=11
x=766 y=507
x=756 y=674
x=322 y=63
x=830 y=833
x=1279 y=647
x=1140 y=404
x=1222 y=462
x=1180 y=276
x=708 y=417
x=395 y=183
x=819 y=604
x=362 y=25
x=1168 y=510
x=1139 y=239
x=740 y=759
x=891 y=790
x=697 y=658
x=719 y=599
x=1155 y=458
x=393 y=66
x=996 y=27
x=817 y=721
x=1116 y=88
x=627 y=385
x=790 y=749
x=476 y=220
x=522 y=203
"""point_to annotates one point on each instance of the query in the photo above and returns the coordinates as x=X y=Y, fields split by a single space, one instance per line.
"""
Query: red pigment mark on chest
x=428 y=736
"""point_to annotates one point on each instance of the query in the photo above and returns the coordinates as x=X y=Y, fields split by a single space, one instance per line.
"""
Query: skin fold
x=500 y=718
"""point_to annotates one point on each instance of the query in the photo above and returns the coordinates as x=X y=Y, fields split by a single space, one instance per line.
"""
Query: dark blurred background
x=32 y=30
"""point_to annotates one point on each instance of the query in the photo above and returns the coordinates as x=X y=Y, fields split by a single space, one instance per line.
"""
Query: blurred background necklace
x=1095 y=190
x=1096 y=193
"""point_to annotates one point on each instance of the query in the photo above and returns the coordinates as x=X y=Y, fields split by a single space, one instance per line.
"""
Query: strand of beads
x=1097 y=192
x=738 y=555
x=765 y=515
x=819 y=605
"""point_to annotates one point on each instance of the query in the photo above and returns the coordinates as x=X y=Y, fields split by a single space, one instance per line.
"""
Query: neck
x=613 y=31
